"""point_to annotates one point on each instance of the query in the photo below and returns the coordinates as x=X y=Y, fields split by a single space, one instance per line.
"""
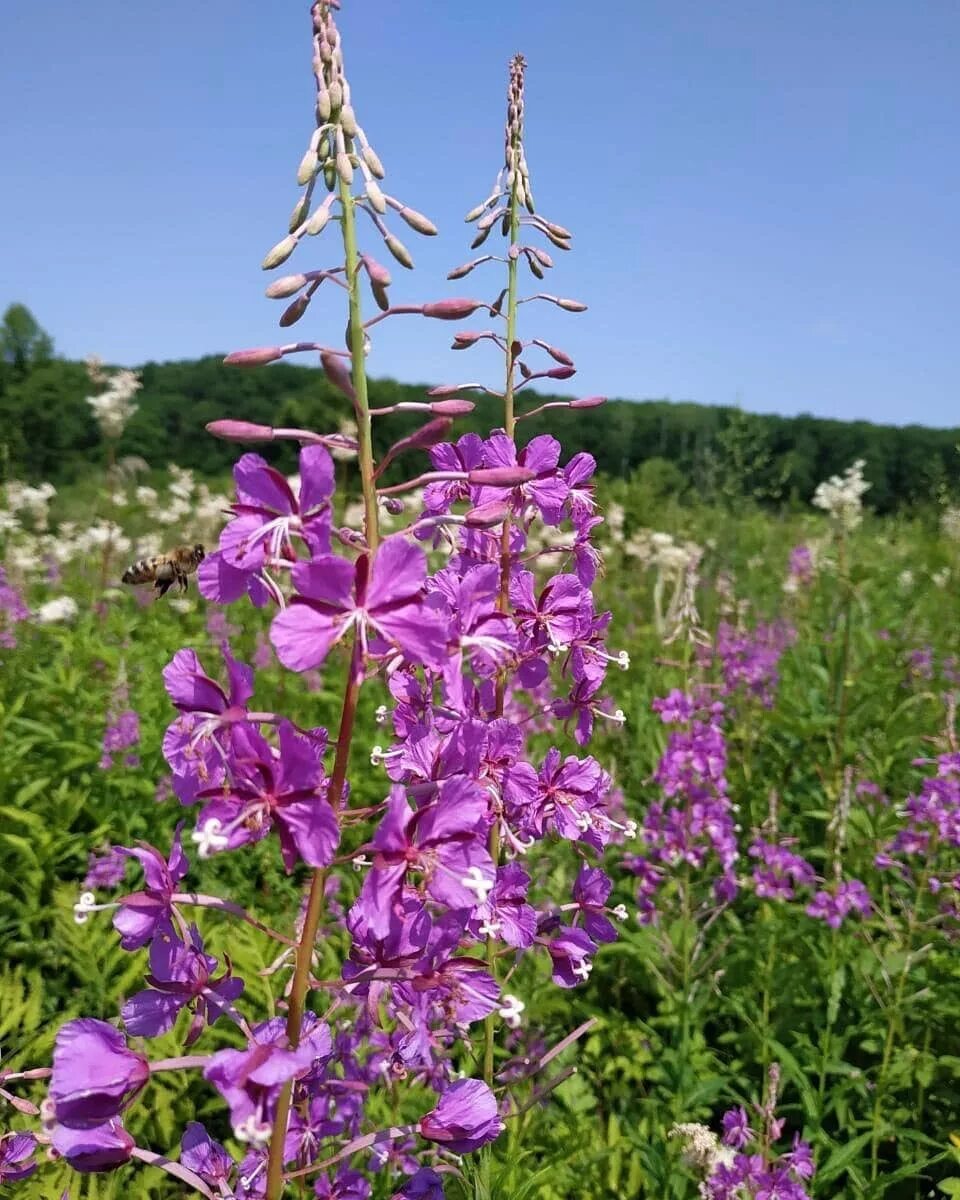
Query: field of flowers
x=775 y=924
x=463 y=824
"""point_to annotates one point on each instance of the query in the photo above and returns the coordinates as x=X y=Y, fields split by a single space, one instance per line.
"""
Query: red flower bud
x=451 y=310
x=230 y=430
x=453 y=408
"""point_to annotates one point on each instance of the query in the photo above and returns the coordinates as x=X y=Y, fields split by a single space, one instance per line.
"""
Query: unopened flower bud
x=230 y=430
x=452 y=408
x=486 y=515
x=399 y=251
x=464 y=269
x=348 y=120
x=466 y=338
x=344 y=167
x=294 y=311
x=299 y=214
x=336 y=371
x=559 y=356
x=380 y=295
x=280 y=253
x=308 y=167
x=371 y=158
x=329 y=175
x=500 y=476
x=336 y=96
x=476 y=213
x=377 y=271
x=256 y=357
x=588 y=402
x=570 y=305
x=535 y=269
x=318 y=220
x=454 y=309
x=416 y=220
x=560 y=372
x=324 y=107
x=375 y=196
x=286 y=286
x=480 y=238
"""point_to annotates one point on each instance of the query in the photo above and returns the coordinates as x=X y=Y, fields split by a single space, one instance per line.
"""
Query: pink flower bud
x=239 y=431
x=318 y=220
x=375 y=197
x=256 y=357
x=371 y=158
x=294 y=311
x=500 y=476
x=299 y=214
x=337 y=373
x=377 y=271
x=559 y=356
x=588 y=402
x=289 y=285
x=452 y=310
x=348 y=120
x=570 y=305
x=485 y=515
x=308 y=167
x=453 y=408
x=444 y=389
x=344 y=168
x=466 y=338
x=466 y=268
x=560 y=372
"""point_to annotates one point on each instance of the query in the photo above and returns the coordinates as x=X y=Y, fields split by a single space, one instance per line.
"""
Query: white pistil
x=209 y=838
x=381 y=714
x=511 y=1010
x=583 y=969
x=490 y=928
x=475 y=881
x=620 y=912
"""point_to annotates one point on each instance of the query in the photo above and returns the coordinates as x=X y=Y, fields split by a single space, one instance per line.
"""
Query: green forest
x=48 y=431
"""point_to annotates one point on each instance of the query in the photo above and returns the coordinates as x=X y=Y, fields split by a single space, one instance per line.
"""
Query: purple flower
x=591 y=889
x=250 y=1080
x=98 y=1148
x=16 y=1157
x=286 y=789
x=736 y=1128
x=547 y=492
x=122 y=732
x=465 y=455
x=268 y=514
x=385 y=602
x=442 y=840
x=95 y=1076
x=425 y=1185
x=465 y=1119
x=141 y=914
x=778 y=872
x=505 y=913
x=570 y=952
x=834 y=907
x=106 y=870
x=347 y=1184
x=181 y=975
x=197 y=742
x=205 y=1157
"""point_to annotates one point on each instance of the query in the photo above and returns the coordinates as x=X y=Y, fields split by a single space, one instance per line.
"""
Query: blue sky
x=765 y=194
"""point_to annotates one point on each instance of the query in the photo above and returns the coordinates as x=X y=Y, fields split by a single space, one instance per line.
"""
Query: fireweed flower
x=778 y=871
x=97 y=1148
x=204 y=1156
x=384 y=601
x=465 y=1119
x=181 y=976
x=835 y=905
x=95 y=1075
x=16 y=1156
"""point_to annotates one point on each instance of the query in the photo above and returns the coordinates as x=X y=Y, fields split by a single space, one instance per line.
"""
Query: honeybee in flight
x=164 y=570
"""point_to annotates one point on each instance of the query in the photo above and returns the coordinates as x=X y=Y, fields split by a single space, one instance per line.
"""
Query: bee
x=164 y=570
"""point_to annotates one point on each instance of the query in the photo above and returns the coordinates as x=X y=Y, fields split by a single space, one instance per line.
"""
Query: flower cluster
x=841 y=496
x=113 y=407
x=478 y=616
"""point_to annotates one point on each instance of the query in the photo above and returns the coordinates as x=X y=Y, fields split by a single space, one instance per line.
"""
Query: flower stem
x=503 y=605
x=311 y=921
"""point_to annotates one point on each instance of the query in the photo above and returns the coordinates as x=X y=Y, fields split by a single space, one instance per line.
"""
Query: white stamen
x=620 y=912
x=583 y=969
x=361 y=861
x=490 y=928
x=381 y=714
x=252 y=1133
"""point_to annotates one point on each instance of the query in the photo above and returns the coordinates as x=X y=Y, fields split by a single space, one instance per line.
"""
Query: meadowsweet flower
x=114 y=407
x=841 y=496
x=57 y=612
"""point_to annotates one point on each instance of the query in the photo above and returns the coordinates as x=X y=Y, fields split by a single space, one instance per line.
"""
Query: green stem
x=503 y=604
x=305 y=946
x=767 y=999
x=826 y=1036
x=686 y=965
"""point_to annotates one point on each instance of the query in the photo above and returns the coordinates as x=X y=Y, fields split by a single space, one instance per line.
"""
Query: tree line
x=47 y=430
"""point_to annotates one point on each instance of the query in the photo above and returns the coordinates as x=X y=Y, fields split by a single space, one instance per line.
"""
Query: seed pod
x=348 y=121
x=399 y=251
x=299 y=214
x=416 y=220
x=280 y=253
x=308 y=167
x=371 y=158
x=375 y=196
x=286 y=286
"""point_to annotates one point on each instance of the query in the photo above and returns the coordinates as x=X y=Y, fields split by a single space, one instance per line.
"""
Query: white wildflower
x=146 y=495
x=950 y=523
x=63 y=608
x=114 y=407
x=841 y=496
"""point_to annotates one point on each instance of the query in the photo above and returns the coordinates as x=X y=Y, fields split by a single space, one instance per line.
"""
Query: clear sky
x=765 y=193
